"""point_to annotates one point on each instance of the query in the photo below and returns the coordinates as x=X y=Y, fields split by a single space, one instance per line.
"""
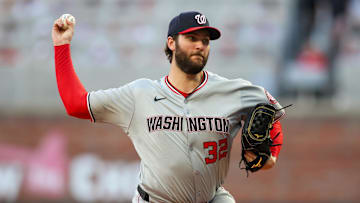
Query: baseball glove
x=256 y=136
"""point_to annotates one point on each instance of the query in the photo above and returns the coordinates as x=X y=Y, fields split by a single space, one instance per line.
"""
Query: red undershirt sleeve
x=276 y=130
x=72 y=92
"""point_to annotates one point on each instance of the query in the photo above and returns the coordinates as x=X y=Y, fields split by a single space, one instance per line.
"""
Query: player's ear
x=171 y=43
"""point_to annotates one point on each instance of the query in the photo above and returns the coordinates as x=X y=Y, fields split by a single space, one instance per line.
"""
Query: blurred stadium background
x=305 y=52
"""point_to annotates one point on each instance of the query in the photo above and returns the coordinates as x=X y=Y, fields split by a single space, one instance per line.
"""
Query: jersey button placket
x=197 y=185
x=186 y=109
x=196 y=173
x=198 y=197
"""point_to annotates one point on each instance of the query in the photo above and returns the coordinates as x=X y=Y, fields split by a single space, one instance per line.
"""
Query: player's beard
x=186 y=64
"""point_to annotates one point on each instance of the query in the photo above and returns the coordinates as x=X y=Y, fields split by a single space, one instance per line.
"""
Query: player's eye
x=206 y=41
x=192 y=38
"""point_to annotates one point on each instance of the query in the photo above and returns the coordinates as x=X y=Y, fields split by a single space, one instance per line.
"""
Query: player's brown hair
x=168 y=52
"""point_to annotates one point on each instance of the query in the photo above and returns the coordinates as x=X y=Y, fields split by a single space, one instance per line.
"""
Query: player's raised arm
x=72 y=92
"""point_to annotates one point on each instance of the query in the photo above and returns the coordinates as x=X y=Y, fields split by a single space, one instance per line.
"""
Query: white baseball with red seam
x=69 y=17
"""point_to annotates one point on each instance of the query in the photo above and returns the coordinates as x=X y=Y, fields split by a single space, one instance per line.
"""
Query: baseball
x=69 y=17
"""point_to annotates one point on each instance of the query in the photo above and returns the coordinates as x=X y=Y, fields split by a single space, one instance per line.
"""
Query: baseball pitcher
x=182 y=125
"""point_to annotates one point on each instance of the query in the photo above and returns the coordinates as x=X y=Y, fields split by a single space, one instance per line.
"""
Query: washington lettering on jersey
x=194 y=124
x=210 y=124
x=174 y=123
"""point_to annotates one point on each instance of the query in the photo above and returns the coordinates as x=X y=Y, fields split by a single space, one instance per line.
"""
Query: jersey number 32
x=217 y=150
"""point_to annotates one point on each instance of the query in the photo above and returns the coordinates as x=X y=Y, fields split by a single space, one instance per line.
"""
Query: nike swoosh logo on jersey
x=158 y=99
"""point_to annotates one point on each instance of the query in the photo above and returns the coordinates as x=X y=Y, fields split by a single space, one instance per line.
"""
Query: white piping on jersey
x=199 y=87
x=89 y=107
x=170 y=86
x=203 y=84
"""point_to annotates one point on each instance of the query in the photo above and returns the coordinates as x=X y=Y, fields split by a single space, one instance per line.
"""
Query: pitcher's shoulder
x=217 y=78
x=142 y=83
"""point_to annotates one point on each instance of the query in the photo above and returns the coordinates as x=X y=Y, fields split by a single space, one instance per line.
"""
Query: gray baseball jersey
x=184 y=143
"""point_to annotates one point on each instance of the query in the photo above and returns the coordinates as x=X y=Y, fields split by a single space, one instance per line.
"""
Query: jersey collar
x=178 y=92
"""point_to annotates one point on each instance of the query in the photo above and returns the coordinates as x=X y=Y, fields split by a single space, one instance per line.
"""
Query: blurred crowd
x=295 y=49
x=304 y=52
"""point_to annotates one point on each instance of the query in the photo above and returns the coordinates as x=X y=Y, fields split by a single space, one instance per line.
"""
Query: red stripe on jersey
x=167 y=82
x=178 y=92
x=205 y=79
x=278 y=140
x=72 y=92
x=176 y=89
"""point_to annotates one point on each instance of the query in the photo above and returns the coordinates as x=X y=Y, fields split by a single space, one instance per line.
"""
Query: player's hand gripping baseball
x=62 y=34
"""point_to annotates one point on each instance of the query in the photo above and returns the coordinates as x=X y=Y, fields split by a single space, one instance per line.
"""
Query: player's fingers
x=249 y=156
x=58 y=23
x=55 y=26
x=70 y=23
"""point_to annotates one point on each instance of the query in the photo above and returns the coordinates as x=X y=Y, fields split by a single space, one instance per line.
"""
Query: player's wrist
x=60 y=48
x=60 y=43
x=270 y=163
